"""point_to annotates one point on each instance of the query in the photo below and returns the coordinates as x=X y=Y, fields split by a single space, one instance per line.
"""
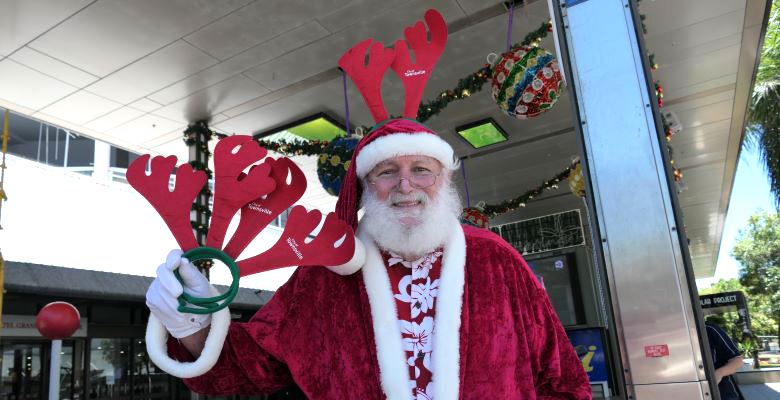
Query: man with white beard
x=437 y=311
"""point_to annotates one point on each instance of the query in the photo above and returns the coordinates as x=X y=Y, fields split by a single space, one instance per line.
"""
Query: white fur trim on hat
x=404 y=144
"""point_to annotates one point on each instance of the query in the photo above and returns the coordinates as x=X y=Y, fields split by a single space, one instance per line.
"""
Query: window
x=109 y=368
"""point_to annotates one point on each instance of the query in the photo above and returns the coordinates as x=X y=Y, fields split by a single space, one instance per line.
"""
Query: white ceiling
x=134 y=73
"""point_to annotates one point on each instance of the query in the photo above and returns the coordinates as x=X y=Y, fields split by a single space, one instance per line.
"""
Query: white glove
x=161 y=298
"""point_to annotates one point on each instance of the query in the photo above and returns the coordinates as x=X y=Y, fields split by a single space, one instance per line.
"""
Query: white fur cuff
x=355 y=264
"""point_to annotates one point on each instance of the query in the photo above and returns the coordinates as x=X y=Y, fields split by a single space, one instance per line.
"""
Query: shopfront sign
x=24 y=326
x=721 y=299
x=589 y=345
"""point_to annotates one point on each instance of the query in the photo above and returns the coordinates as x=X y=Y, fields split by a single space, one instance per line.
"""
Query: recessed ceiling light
x=482 y=133
x=316 y=127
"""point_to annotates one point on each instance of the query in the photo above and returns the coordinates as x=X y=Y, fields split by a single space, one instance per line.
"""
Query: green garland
x=492 y=210
x=474 y=82
x=295 y=147
x=192 y=138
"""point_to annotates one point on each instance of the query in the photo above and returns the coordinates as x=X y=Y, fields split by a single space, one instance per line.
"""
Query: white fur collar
x=394 y=371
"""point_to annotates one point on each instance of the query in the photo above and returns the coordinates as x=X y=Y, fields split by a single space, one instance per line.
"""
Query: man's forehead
x=408 y=159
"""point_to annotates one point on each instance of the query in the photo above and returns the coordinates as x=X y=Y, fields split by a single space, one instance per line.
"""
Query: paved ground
x=766 y=391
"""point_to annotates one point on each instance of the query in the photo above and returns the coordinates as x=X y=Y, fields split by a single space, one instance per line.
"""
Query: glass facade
x=21 y=371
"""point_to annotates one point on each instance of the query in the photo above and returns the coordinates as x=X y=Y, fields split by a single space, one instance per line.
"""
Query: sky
x=750 y=193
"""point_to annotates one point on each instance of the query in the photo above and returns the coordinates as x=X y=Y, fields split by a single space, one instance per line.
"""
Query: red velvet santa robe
x=337 y=337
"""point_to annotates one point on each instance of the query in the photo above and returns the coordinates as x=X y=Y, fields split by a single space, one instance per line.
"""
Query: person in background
x=727 y=360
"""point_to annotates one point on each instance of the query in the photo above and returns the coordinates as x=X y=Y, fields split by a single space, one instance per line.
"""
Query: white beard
x=412 y=233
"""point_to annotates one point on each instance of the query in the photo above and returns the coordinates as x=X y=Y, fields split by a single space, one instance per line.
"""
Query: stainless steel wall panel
x=641 y=246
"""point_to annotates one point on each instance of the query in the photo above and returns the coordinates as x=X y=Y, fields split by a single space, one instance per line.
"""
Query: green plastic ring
x=209 y=305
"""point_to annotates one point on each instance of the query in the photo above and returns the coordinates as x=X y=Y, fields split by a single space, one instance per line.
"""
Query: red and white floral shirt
x=415 y=287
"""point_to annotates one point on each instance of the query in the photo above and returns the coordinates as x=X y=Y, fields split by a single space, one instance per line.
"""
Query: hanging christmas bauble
x=58 y=320
x=334 y=161
x=475 y=216
x=576 y=181
x=526 y=82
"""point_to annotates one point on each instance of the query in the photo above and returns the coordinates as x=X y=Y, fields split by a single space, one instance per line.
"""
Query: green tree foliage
x=761 y=321
x=763 y=119
x=758 y=252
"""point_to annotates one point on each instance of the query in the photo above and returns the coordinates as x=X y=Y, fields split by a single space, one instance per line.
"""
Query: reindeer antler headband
x=396 y=137
x=261 y=193
x=414 y=76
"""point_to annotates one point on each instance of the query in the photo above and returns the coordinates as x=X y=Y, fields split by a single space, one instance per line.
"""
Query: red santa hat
x=399 y=136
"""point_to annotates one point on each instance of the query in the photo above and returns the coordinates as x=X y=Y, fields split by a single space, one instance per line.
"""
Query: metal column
x=649 y=272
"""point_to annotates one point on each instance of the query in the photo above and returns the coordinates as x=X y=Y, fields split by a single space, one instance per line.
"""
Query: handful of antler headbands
x=263 y=190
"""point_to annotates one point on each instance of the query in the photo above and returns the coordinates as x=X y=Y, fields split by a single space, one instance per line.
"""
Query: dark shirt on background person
x=723 y=351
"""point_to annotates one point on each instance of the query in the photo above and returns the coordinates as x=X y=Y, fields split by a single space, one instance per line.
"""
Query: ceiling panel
x=699 y=69
x=114 y=119
x=707 y=114
x=252 y=25
x=700 y=100
x=53 y=67
x=176 y=133
x=108 y=35
x=153 y=72
x=709 y=34
x=145 y=104
x=217 y=98
x=29 y=88
x=144 y=128
x=345 y=16
x=81 y=107
x=688 y=12
x=324 y=54
x=702 y=132
x=263 y=52
x=674 y=92
x=23 y=20
x=175 y=147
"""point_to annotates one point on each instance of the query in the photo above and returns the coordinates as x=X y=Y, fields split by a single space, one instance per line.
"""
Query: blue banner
x=589 y=345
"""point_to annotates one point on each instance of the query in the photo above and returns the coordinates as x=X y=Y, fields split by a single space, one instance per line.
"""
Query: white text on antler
x=413 y=72
x=294 y=246
x=255 y=207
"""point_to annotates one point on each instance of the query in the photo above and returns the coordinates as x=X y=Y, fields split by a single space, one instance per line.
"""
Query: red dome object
x=58 y=320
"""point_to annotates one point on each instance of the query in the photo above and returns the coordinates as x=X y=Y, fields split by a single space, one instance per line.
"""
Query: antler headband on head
x=414 y=76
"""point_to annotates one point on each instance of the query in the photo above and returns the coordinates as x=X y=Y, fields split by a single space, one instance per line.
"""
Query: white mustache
x=396 y=198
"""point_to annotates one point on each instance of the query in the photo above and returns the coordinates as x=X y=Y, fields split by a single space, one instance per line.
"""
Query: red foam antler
x=232 y=188
x=368 y=78
x=292 y=249
x=259 y=213
x=415 y=75
x=173 y=207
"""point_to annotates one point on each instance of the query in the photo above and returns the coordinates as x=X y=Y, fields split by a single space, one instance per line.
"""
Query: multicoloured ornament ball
x=334 y=161
x=526 y=82
x=474 y=216
x=576 y=181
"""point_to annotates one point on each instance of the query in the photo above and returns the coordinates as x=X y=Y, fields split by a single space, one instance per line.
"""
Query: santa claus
x=438 y=310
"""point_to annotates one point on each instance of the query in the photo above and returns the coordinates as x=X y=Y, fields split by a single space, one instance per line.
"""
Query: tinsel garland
x=492 y=210
x=474 y=82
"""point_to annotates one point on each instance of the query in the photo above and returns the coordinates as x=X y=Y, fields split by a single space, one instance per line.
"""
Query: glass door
x=21 y=371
